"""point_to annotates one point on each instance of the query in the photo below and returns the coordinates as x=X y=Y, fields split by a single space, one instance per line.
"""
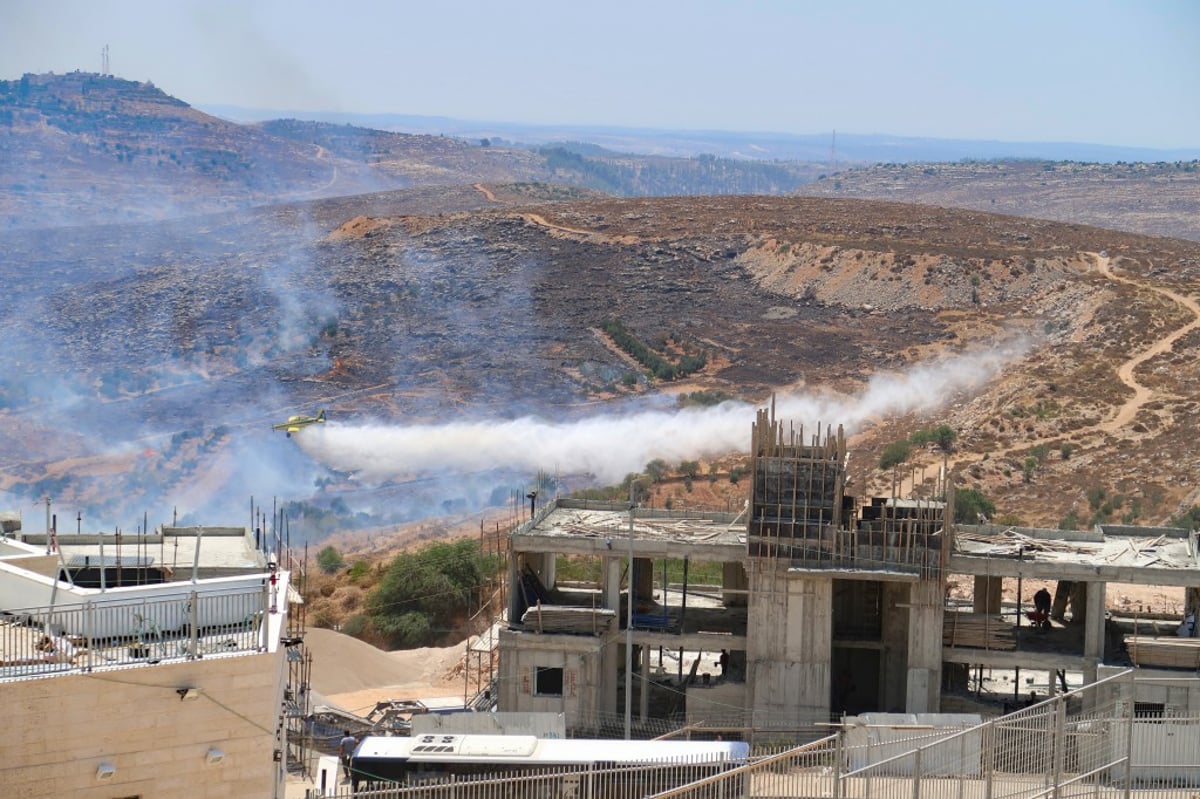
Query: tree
x=895 y=454
x=944 y=436
x=329 y=560
x=422 y=594
x=1028 y=468
x=689 y=469
x=656 y=470
x=969 y=505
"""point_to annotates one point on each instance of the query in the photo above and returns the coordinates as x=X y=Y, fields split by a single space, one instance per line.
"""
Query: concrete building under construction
x=811 y=604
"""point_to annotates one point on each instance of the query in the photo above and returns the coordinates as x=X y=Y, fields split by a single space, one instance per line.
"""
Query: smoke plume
x=610 y=446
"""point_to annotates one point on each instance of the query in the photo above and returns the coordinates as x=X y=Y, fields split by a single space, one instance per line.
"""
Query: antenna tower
x=832 y=148
x=104 y=69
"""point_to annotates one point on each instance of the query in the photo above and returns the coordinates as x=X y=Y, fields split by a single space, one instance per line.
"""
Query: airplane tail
x=321 y=415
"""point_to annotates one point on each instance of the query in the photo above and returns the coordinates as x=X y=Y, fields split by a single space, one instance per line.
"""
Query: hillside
x=1158 y=199
x=171 y=347
x=84 y=148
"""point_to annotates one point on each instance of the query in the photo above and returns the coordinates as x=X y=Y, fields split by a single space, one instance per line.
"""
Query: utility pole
x=629 y=625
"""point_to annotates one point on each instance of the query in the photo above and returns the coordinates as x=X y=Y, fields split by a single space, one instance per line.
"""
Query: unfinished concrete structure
x=806 y=606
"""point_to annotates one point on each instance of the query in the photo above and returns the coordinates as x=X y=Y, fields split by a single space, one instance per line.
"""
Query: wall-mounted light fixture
x=213 y=756
x=105 y=771
x=187 y=693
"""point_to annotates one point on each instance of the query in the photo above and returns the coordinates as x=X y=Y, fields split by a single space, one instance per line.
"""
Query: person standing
x=346 y=749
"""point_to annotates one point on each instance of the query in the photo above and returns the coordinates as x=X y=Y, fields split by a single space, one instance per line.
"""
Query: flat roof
x=219 y=550
x=1148 y=556
x=575 y=526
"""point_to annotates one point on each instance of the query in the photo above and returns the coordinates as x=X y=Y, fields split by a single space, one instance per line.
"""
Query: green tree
x=1028 y=468
x=970 y=504
x=689 y=469
x=944 y=436
x=329 y=560
x=422 y=594
x=656 y=470
x=895 y=454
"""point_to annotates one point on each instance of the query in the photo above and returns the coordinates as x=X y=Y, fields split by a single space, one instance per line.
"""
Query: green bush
x=329 y=560
x=357 y=626
x=969 y=504
x=424 y=593
x=895 y=454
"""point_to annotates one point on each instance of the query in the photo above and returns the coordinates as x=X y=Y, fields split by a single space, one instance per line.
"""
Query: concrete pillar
x=1079 y=602
x=733 y=576
x=1062 y=596
x=1093 y=631
x=515 y=600
x=790 y=646
x=610 y=667
x=925 y=647
x=894 y=657
x=987 y=594
x=542 y=564
x=612 y=585
x=643 y=580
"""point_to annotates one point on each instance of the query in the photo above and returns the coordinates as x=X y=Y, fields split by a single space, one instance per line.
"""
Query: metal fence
x=562 y=782
x=1098 y=742
x=95 y=634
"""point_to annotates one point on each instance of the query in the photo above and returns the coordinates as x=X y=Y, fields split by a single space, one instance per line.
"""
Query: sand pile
x=355 y=675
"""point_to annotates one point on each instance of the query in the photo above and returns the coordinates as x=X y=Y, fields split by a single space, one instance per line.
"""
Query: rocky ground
x=484 y=302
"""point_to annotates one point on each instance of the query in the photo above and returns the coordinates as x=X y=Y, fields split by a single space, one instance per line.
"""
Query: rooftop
x=584 y=527
x=1141 y=555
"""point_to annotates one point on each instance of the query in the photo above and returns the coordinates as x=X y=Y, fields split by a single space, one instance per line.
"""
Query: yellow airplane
x=295 y=423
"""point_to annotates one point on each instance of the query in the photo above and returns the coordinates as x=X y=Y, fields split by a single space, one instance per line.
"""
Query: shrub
x=1069 y=522
x=357 y=626
x=969 y=504
x=422 y=593
x=329 y=560
x=895 y=454
x=656 y=470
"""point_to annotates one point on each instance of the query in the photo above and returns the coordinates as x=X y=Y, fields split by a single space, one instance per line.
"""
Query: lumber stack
x=568 y=619
x=1167 y=653
x=977 y=631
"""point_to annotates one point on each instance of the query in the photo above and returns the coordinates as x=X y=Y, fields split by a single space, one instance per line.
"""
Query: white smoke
x=611 y=446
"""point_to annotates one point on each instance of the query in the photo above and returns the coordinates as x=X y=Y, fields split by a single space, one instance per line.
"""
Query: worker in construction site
x=1041 y=607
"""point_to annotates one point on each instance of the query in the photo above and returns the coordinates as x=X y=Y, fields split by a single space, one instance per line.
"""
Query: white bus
x=553 y=768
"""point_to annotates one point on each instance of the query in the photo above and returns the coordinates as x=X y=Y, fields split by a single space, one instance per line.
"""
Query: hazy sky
x=1123 y=72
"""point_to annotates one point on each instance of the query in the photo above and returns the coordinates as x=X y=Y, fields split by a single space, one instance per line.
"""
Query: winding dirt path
x=485 y=191
x=591 y=235
x=1125 y=373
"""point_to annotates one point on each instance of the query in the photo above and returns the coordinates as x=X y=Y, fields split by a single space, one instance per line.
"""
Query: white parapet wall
x=875 y=737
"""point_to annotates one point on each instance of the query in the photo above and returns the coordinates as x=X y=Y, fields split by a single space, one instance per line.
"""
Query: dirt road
x=1126 y=373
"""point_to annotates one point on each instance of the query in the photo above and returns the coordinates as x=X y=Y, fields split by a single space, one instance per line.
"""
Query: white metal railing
x=553 y=782
x=185 y=625
x=1087 y=743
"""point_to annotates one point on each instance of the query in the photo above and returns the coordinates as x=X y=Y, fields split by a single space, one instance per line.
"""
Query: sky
x=1120 y=72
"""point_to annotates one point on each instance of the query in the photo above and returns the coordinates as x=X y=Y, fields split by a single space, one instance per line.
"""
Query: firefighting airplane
x=296 y=423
